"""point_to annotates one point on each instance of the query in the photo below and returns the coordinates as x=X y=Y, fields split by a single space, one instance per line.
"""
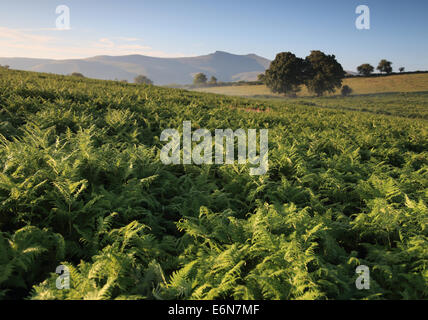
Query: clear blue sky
x=399 y=29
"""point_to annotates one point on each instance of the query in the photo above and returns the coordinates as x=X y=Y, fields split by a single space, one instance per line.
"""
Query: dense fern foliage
x=81 y=184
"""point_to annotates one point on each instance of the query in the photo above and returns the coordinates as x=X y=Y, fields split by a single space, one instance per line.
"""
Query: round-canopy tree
x=346 y=90
x=199 y=79
x=142 y=80
x=213 y=80
x=326 y=73
x=365 y=69
x=385 y=66
x=286 y=73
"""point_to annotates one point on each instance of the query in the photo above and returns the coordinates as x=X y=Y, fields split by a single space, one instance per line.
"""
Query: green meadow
x=360 y=86
x=82 y=185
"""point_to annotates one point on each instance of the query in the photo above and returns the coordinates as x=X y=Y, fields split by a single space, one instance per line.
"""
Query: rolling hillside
x=82 y=185
x=371 y=85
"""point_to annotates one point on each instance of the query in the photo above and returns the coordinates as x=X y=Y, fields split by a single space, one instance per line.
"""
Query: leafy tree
x=365 y=69
x=77 y=74
x=142 y=80
x=402 y=69
x=261 y=77
x=385 y=66
x=213 y=80
x=346 y=90
x=326 y=73
x=286 y=73
x=199 y=79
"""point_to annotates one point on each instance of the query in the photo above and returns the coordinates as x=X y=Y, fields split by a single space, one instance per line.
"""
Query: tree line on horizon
x=319 y=72
x=384 y=66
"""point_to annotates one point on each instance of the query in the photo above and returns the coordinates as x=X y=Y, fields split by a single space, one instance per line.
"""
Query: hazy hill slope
x=91 y=69
x=224 y=66
x=227 y=67
x=23 y=63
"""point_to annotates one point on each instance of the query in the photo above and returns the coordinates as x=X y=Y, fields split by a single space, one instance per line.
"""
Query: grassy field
x=372 y=85
x=82 y=185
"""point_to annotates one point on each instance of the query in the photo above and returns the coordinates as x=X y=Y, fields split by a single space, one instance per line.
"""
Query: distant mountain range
x=224 y=66
x=162 y=71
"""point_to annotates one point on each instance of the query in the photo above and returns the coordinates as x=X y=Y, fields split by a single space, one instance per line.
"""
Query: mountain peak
x=218 y=53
